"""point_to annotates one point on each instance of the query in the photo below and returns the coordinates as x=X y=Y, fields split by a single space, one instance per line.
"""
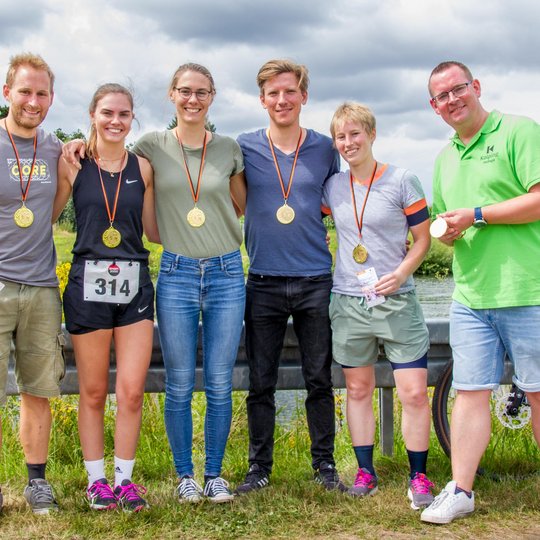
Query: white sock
x=123 y=469
x=95 y=470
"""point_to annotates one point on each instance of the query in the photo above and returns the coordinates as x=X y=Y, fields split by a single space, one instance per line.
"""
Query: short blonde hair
x=27 y=59
x=353 y=112
x=273 y=68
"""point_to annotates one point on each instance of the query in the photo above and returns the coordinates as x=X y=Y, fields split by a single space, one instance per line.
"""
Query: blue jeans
x=188 y=290
x=480 y=339
x=270 y=301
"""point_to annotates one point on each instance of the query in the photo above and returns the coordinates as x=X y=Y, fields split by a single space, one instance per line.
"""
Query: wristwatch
x=479 y=222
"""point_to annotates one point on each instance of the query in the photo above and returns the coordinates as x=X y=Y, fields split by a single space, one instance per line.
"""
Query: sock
x=417 y=461
x=95 y=470
x=459 y=490
x=208 y=477
x=35 y=470
x=364 y=456
x=123 y=469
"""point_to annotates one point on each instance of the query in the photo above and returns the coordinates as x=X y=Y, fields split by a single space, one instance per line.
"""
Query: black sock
x=364 y=456
x=417 y=462
x=35 y=470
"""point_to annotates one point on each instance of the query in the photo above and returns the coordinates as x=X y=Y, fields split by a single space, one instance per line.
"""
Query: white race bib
x=114 y=282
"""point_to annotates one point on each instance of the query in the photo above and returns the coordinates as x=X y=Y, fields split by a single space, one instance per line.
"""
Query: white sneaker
x=189 y=491
x=448 y=505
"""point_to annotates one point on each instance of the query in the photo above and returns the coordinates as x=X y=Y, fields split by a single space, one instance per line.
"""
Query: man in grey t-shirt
x=30 y=309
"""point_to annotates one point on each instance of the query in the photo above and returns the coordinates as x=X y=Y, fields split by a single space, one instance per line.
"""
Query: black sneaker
x=100 y=496
x=129 y=496
x=327 y=476
x=40 y=497
x=255 y=479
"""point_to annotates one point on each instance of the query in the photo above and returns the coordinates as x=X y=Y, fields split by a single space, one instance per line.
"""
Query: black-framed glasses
x=457 y=91
x=186 y=93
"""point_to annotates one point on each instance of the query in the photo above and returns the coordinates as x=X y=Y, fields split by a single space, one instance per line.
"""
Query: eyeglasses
x=457 y=91
x=186 y=93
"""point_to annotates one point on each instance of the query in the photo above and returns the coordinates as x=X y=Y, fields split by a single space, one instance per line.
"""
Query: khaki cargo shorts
x=30 y=318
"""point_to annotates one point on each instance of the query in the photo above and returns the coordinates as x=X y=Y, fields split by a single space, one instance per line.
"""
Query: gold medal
x=196 y=217
x=360 y=254
x=111 y=237
x=285 y=214
x=23 y=217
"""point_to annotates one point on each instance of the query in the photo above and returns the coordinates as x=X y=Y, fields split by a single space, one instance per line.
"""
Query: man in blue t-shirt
x=290 y=273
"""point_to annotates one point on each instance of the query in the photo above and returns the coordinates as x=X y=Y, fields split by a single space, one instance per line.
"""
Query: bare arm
x=415 y=255
x=149 y=209
x=238 y=192
x=66 y=176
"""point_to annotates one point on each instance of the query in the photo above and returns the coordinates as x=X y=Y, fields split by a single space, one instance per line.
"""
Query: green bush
x=438 y=261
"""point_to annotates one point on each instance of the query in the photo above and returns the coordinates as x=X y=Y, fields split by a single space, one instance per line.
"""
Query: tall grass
x=292 y=507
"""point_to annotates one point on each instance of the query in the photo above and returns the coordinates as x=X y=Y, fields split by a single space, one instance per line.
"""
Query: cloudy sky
x=377 y=52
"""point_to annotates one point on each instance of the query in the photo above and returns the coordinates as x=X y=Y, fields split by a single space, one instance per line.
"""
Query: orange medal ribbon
x=24 y=217
x=360 y=253
x=285 y=213
x=112 y=237
x=195 y=216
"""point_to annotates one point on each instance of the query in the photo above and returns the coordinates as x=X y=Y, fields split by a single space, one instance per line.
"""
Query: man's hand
x=73 y=151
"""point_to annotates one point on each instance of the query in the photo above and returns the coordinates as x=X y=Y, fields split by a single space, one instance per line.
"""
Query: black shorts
x=83 y=316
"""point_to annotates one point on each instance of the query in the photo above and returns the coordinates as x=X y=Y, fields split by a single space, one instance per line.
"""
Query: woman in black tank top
x=109 y=295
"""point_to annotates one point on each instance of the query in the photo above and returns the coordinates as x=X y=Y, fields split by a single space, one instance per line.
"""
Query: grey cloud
x=209 y=23
x=19 y=23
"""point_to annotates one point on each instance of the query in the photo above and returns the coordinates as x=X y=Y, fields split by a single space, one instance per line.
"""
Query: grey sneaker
x=40 y=497
x=448 y=505
x=189 y=491
x=217 y=490
x=419 y=492
x=327 y=476
x=256 y=478
x=365 y=484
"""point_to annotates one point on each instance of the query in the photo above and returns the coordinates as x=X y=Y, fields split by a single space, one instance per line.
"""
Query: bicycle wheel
x=507 y=429
x=441 y=407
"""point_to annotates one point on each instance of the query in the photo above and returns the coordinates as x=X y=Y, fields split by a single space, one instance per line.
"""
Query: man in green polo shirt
x=487 y=188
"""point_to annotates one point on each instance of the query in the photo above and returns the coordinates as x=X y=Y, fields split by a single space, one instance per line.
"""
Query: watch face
x=480 y=223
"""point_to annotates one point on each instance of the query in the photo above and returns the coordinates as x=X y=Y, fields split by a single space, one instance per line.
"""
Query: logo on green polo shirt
x=490 y=155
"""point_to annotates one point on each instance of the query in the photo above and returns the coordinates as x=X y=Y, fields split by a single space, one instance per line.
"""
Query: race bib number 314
x=110 y=281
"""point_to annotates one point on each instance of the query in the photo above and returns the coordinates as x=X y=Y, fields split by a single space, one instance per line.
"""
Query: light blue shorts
x=480 y=339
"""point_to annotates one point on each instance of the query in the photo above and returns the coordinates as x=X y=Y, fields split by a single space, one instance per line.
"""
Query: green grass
x=292 y=507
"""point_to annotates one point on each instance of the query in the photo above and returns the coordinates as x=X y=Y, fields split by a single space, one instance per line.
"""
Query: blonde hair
x=27 y=59
x=273 y=68
x=99 y=94
x=354 y=112
x=197 y=68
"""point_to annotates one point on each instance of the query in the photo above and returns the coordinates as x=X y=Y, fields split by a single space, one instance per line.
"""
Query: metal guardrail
x=290 y=373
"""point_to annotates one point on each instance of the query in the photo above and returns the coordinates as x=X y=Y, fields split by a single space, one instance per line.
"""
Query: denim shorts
x=480 y=339
x=356 y=329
